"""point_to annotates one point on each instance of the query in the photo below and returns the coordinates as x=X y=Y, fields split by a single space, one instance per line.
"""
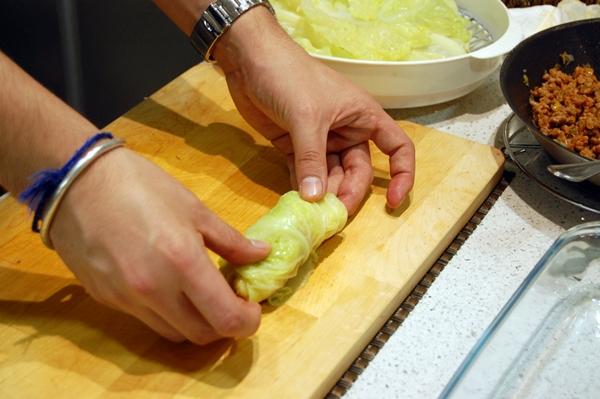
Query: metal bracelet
x=54 y=201
x=217 y=19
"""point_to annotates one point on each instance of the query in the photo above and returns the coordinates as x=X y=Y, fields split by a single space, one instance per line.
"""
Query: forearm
x=184 y=13
x=37 y=130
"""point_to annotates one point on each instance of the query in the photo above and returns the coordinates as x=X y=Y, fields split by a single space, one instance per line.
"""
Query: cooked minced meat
x=566 y=107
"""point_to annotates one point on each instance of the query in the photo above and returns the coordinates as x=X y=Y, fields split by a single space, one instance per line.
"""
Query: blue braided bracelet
x=46 y=181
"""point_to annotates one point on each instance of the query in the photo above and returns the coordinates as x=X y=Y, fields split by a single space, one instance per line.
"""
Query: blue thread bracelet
x=46 y=181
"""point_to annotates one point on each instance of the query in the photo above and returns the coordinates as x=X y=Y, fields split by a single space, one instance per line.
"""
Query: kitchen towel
x=534 y=19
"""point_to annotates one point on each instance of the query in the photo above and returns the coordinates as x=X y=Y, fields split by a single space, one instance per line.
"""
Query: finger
x=228 y=314
x=284 y=144
x=228 y=242
x=145 y=315
x=156 y=323
x=358 y=176
x=292 y=169
x=392 y=141
x=347 y=136
x=183 y=316
x=309 y=142
x=336 y=173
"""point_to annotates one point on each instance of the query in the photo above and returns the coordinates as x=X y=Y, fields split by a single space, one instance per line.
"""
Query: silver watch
x=215 y=21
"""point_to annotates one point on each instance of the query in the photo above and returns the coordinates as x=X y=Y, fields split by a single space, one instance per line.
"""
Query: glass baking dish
x=545 y=342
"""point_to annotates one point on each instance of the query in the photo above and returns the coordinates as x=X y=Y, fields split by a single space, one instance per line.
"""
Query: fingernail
x=311 y=187
x=260 y=244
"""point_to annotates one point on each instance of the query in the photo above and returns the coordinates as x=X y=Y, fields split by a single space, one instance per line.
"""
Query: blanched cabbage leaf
x=295 y=229
x=385 y=30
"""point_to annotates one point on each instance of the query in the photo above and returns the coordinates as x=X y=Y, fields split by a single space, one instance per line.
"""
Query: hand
x=314 y=115
x=136 y=240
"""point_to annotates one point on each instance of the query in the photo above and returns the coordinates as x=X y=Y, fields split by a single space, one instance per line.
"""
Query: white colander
x=405 y=84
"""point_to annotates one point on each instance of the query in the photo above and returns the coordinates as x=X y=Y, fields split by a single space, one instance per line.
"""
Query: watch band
x=215 y=21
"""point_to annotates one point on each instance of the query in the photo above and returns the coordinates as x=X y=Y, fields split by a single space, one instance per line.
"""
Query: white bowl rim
x=389 y=63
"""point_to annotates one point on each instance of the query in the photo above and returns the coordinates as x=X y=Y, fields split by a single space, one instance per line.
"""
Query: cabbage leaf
x=384 y=30
x=295 y=229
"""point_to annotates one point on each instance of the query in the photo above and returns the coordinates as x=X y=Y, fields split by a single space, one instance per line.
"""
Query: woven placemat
x=394 y=322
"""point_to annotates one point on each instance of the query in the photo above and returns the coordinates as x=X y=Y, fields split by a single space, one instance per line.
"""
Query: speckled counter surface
x=423 y=354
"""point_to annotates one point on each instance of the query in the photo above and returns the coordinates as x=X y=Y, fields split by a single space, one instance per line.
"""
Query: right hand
x=319 y=119
x=136 y=240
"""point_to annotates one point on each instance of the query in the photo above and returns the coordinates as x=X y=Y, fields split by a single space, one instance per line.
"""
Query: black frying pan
x=533 y=57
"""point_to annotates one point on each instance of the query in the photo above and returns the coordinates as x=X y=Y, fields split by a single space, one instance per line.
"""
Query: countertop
x=422 y=355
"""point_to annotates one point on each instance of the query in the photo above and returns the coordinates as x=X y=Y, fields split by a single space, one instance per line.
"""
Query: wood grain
x=55 y=341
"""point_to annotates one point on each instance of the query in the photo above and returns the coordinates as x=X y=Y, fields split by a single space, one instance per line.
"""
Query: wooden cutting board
x=55 y=341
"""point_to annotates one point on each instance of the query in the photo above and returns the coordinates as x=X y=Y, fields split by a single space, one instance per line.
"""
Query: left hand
x=319 y=119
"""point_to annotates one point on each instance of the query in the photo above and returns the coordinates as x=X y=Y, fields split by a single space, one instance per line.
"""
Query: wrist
x=49 y=156
x=49 y=186
x=249 y=40
x=85 y=190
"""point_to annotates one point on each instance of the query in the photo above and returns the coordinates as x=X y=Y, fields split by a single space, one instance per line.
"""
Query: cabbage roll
x=295 y=229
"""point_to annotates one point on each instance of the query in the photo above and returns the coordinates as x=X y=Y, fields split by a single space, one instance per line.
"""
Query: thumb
x=310 y=143
x=230 y=243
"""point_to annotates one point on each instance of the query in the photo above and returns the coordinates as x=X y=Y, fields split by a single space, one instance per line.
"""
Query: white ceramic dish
x=406 y=84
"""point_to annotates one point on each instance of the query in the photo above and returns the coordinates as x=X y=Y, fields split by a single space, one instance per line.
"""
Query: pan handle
x=507 y=42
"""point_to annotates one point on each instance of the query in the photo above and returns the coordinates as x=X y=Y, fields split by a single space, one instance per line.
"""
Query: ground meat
x=566 y=107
